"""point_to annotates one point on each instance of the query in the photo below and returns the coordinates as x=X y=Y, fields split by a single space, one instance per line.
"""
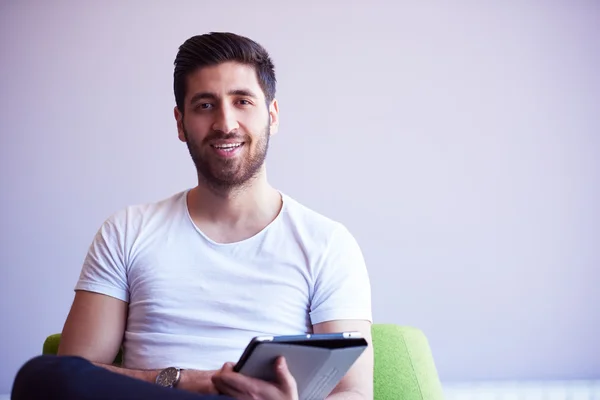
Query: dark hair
x=219 y=47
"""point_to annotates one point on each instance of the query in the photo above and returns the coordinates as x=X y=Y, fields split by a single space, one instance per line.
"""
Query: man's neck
x=256 y=201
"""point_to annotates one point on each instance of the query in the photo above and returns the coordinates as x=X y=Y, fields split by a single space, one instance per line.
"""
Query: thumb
x=284 y=376
x=227 y=367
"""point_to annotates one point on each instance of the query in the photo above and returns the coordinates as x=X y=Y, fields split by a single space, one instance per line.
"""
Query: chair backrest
x=404 y=366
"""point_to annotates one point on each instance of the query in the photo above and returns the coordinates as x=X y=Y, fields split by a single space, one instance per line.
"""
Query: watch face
x=168 y=377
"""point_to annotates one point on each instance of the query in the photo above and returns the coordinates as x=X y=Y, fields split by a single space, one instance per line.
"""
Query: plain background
x=459 y=141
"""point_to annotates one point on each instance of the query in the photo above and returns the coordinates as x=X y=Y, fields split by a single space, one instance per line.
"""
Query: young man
x=185 y=283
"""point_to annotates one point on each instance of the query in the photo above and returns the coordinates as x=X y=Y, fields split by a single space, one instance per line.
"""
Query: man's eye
x=205 y=106
x=244 y=102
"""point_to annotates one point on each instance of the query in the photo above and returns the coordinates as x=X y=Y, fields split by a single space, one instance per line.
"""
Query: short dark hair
x=218 y=47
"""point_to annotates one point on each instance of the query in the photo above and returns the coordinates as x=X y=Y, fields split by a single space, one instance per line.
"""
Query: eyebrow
x=213 y=96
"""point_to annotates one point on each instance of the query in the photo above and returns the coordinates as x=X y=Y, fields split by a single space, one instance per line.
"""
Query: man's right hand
x=243 y=387
x=197 y=381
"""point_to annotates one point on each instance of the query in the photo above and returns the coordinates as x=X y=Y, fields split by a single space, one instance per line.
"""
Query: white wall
x=459 y=142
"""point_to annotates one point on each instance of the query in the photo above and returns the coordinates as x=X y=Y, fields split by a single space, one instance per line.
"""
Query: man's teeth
x=227 y=147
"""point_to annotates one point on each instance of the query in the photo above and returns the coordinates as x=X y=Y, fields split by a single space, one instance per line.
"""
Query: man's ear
x=274 y=117
x=179 y=119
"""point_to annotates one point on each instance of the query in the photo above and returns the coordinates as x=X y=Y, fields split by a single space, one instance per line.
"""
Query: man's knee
x=45 y=374
x=46 y=365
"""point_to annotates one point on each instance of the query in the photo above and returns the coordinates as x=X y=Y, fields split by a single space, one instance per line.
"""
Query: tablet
x=317 y=361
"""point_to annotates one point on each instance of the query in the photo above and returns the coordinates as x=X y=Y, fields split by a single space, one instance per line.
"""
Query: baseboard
x=524 y=390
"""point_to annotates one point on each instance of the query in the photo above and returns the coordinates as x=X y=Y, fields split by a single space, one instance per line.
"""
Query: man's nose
x=225 y=120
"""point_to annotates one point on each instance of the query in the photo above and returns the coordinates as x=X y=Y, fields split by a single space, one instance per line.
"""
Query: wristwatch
x=169 y=377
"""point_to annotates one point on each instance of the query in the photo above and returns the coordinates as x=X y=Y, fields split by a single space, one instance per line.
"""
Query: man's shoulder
x=147 y=212
x=304 y=214
x=311 y=224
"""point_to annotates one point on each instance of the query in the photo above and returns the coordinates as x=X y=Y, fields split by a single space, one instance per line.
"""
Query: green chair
x=404 y=366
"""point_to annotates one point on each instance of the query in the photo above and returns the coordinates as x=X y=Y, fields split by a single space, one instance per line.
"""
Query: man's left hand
x=242 y=387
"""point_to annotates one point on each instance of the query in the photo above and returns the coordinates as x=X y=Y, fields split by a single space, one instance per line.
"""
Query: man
x=184 y=284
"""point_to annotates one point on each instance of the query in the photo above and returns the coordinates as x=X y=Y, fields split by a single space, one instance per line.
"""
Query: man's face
x=227 y=124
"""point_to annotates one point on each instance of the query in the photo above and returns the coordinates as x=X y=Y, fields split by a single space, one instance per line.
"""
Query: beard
x=224 y=175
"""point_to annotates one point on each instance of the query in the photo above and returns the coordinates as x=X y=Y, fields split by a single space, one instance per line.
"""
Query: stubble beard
x=226 y=176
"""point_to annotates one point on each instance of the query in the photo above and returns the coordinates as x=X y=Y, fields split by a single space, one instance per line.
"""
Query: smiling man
x=184 y=284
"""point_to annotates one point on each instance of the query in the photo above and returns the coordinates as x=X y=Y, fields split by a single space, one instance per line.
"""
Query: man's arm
x=357 y=384
x=94 y=330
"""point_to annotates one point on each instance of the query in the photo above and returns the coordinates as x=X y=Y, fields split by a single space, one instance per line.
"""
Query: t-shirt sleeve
x=342 y=289
x=104 y=267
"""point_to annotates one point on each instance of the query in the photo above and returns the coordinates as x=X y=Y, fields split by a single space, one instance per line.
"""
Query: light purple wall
x=460 y=143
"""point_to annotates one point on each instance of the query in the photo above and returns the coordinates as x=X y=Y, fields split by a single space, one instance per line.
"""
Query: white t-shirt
x=195 y=303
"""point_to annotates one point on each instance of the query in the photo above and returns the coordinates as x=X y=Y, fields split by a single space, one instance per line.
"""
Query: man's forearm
x=191 y=380
x=144 y=375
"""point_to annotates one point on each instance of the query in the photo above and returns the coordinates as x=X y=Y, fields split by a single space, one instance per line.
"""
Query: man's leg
x=70 y=378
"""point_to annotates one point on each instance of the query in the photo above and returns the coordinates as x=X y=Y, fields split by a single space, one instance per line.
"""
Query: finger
x=227 y=367
x=228 y=390
x=241 y=383
x=284 y=376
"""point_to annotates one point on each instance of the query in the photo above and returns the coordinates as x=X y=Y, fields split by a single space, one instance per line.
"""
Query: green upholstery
x=404 y=366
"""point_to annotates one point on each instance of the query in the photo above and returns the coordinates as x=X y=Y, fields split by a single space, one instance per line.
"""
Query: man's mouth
x=227 y=148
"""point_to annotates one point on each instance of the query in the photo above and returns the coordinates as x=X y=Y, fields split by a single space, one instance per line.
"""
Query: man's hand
x=242 y=387
x=197 y=381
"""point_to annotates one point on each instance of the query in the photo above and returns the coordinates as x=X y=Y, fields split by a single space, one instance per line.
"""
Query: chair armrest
x=404 y=365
